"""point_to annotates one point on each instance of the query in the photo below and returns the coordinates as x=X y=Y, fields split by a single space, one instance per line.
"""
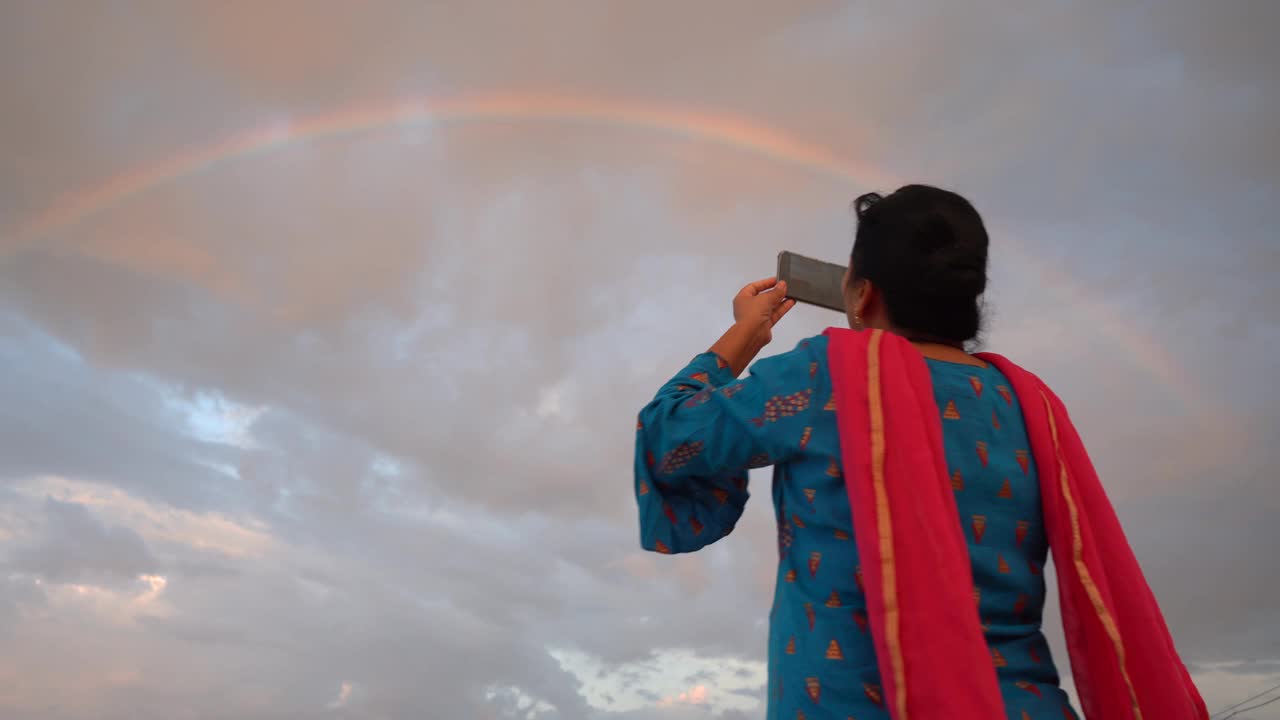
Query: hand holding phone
x=756 y=309
x=762 y=304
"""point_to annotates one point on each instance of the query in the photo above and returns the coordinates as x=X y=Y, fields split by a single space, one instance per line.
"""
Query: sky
x=323 y=326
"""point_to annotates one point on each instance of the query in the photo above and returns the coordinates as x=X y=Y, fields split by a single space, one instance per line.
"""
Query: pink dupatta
x=933 y=658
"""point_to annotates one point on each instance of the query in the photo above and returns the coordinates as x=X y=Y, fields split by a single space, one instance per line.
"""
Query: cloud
x=77 y=547
x=696 y=695
x=344 y=696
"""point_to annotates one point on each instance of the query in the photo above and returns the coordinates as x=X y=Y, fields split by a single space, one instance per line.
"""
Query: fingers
x=782 y=310
x=759 y=286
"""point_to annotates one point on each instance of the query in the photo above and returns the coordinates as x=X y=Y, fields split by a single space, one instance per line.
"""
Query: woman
x=918 y=490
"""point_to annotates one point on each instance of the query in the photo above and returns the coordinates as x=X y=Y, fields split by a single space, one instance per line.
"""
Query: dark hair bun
x=864 y=202
x=926 y=249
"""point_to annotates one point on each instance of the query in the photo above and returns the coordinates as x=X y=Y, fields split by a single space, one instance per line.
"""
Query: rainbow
x=703 y=126
x=1148 y=354
x=721 y=129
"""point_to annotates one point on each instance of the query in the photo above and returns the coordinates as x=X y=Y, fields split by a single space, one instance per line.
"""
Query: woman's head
x=919 y=265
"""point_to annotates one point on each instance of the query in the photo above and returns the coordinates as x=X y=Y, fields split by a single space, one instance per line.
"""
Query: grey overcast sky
x=323 y=325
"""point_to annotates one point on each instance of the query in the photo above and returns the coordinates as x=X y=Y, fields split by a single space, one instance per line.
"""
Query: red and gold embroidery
x=782 y=406
x=951 y=413
x=979 y=527
x=699 y=398
x=834 y=652
x=680 y=456
x=813 y=687
x=1020 y=606
x=1029 y=687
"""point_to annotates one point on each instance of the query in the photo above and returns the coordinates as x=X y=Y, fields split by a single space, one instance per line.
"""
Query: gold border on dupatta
x=1077 y=557
x=884 y=528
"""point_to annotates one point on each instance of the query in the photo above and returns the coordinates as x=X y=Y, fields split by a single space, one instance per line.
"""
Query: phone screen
x=813 y=282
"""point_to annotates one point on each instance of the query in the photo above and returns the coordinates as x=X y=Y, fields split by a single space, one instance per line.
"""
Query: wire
x=1251 y=698
x=1252 y=707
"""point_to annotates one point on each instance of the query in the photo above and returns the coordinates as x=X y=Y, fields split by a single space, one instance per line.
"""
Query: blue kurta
x=705 y=429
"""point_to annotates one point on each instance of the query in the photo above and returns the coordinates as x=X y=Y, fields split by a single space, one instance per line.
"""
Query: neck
x=939 y=349
x=948 y=354
x=926 y=339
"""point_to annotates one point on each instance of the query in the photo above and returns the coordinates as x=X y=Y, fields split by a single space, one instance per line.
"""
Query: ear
x=851 y=288
x=860 y=296
x=865 y=292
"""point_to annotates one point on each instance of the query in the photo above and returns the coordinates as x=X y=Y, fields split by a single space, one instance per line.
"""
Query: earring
x=857 y=322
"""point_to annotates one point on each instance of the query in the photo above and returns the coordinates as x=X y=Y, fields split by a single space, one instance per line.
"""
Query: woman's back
x=821 y=656
x=997 y=495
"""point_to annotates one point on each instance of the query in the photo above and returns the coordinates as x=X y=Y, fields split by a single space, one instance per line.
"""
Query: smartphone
x=812 y=281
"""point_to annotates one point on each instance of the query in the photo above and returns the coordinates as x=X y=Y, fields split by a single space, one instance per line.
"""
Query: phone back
x=813 y=282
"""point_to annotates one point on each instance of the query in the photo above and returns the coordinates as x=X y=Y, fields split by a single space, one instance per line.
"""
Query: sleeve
x=703 y=431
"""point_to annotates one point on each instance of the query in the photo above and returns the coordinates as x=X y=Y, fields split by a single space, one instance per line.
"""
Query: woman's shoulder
x=1011 y=371
x=808 y=354
x=807 y=350
x=816 y=344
